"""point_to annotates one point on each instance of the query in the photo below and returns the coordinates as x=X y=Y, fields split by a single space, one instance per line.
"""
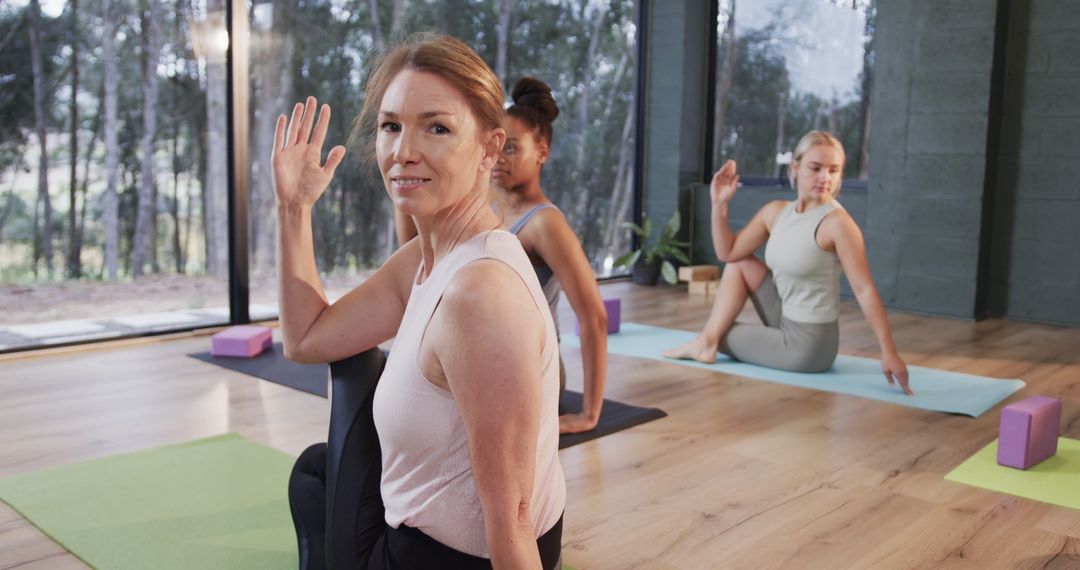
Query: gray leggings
x=781 y=342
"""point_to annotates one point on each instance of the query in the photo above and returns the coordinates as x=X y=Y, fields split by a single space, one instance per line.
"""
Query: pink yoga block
x=242 y=341
x=614 y=310
x=1029 y=431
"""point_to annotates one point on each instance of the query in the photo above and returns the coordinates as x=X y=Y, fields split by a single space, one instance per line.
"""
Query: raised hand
x=895 y=371
x=724 y=183
x=300 y=176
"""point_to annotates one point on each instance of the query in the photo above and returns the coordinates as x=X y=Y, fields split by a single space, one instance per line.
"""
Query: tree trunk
x=781 y=116
x=577 y=216
x=145 y=238
x=397 y=21
x=216 y=205
x=275 y=93
x=621 y=192
x=74 y=266
x=94 y=135
x=376 y=26
x=40 y=127
x=110 y=217
x=727 y=81
x=502 y=53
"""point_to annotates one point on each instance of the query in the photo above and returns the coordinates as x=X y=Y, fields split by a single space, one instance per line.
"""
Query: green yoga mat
x=219 y=502
x=935 y=390
x=1055 y=480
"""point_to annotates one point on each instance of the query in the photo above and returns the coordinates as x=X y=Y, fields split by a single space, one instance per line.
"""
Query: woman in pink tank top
x=479 y=351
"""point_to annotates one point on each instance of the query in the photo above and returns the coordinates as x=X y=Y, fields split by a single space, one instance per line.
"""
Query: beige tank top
x=807 y=277
x=427 y=479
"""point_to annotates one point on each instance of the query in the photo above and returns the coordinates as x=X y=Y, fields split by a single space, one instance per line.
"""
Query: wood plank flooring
x=742 y=474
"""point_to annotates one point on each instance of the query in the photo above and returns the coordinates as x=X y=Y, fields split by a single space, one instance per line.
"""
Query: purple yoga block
x=614 y=311
x=242 y=341
x=1029 y=431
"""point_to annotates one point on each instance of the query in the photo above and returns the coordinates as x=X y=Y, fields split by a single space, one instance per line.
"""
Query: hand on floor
x=895 y=370
x=576 y=423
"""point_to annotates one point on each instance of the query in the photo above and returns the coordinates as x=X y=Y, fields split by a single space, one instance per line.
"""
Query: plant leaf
x=627 y=259
x=669 y=273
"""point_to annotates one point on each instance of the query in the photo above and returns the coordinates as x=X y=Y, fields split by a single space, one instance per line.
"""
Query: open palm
x=300 y=176
x=724 y=183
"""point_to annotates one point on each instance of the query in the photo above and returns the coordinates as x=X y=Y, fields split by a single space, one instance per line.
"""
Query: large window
x=114 y=145
x=112 y=170
x=585 y=50
x=785 y=67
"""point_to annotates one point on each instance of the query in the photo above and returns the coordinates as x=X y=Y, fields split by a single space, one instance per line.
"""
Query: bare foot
x=698 y=349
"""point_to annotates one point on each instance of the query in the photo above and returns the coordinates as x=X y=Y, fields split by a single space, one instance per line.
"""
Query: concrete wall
x=1036 y=259
x=674 y=129
x=929 y=104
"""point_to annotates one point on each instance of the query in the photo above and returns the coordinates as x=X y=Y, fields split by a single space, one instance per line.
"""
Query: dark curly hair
x=534 y=105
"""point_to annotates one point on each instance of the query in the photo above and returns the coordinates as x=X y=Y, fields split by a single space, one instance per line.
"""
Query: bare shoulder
x=485 y=293
x=838 y=227
x=769 y=211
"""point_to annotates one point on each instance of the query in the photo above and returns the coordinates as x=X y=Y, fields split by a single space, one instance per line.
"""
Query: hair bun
x=536 y=95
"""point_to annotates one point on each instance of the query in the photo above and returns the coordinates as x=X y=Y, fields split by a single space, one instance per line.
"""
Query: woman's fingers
x=308 y=120
x=333 y=159
x=279 y=134
x=294 y=124
x=321 y=126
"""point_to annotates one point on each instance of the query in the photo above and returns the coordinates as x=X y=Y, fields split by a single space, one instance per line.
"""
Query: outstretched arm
x=488 y=336
x=557 y=244
x=313 y=330
x=844 y=234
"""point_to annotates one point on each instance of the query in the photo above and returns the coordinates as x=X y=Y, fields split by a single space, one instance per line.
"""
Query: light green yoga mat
x=1055 y=480
x=935 y=390
x=219 y=502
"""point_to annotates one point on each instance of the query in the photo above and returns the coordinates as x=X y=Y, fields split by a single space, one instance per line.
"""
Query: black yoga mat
x=273 y=366
x=313 y=378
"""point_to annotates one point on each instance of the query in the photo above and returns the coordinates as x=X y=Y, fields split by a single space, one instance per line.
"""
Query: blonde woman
x=795 y=290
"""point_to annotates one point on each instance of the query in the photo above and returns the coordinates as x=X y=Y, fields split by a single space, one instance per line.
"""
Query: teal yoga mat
x=935 y=390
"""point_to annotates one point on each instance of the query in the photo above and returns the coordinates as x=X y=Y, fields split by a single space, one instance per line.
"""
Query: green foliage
x=664 y=249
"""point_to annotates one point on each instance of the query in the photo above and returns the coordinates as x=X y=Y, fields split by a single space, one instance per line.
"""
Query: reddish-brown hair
x=445 y=56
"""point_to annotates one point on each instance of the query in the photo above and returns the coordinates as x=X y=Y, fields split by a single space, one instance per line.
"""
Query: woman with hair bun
x=550 y=242
x=795 y=290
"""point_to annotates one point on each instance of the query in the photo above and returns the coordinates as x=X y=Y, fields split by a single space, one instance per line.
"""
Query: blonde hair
x=445 y=56
x=810 y=140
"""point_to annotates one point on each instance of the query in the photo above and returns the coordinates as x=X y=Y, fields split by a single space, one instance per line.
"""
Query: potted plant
x=652 y=260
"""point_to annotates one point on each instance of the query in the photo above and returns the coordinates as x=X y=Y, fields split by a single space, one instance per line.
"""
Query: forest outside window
x=785 y=67
x=114 y=180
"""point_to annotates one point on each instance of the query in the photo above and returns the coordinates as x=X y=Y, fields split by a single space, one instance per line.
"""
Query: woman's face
x=430 y=150
x=521 y=157
x=818 y=174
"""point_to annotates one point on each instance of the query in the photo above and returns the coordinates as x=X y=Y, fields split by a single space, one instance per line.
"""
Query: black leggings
x=344 y=525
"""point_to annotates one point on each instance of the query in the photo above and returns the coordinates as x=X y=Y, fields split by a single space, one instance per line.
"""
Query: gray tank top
x=807 y=278
x=548 y=282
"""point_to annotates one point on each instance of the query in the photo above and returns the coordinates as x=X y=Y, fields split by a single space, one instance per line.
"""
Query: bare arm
x=488 y=335
x=312 y=329
x=840 y=232
x=555 y=242
x=729 y=245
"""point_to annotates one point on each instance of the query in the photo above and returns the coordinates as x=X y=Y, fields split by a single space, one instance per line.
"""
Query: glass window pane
x=586 y=51
x=785 y=67
x=117 y=228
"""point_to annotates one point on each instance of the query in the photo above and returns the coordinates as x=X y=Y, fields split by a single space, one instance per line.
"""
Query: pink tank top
x=427 y=480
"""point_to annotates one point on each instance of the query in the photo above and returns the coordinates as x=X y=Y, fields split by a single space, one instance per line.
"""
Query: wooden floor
x=741 y=474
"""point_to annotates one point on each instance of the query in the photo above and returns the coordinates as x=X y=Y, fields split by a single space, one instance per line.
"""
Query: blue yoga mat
x=935 y=390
